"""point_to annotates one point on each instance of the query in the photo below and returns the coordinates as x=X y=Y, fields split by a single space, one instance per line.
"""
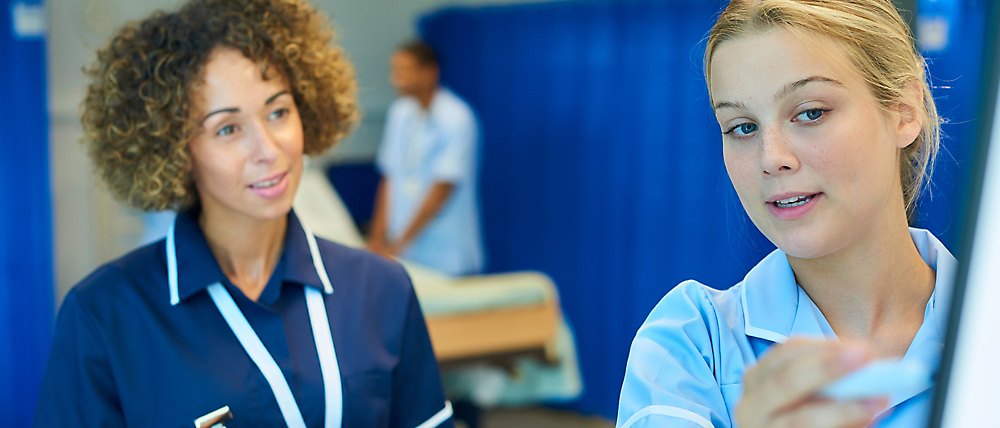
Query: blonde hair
x=877 y=41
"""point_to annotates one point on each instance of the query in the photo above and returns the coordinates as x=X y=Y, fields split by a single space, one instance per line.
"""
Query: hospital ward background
x=600 y=180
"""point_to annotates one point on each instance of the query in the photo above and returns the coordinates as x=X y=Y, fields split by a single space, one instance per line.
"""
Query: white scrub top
x=687 y=361
x=421 y=147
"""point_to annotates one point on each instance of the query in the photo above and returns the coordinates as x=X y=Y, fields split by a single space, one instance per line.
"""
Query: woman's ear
x=911 y=118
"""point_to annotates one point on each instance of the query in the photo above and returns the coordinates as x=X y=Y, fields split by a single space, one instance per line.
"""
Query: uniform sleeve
x=670 y=378
x=456 y=161
x=417 y=394
x=78 y=389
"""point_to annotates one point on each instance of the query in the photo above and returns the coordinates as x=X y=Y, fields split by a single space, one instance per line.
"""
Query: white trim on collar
x=172 y=266
x=934 y=253
x=757 y=331
x=317 y=260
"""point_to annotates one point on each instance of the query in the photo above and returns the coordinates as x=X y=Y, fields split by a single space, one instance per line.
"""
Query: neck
x=247 y=249
x=875 y=290
x=426 y=96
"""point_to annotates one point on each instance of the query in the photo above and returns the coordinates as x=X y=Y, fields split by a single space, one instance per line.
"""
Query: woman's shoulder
x=684 y=358
x=694 y=320
x=694 y=300
x=350 y=267
x=137 y=273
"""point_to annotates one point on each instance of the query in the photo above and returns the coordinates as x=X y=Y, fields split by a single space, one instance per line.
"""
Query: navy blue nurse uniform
x=141 y=342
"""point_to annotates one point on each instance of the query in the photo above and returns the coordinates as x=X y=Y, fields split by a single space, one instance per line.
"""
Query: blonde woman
x=240 y=312
x=828 y=133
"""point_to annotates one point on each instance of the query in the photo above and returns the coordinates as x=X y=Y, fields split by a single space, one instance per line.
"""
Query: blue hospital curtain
x=26 y=301
x=601 y=162
x=954 y=34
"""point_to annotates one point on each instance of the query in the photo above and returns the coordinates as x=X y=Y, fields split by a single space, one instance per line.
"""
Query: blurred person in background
x=426 y=207
x=209 y=111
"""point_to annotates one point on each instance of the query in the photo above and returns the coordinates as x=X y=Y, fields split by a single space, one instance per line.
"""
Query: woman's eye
x=811 y=115
x=279 y=113
x=743 y=129
x=226 y=130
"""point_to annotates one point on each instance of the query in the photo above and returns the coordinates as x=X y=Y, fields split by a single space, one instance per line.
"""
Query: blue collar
x=771 y=297
x=191 y=266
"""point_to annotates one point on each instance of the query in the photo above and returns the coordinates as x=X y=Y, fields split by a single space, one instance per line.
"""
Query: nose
x=265 y=145
x=777 y=156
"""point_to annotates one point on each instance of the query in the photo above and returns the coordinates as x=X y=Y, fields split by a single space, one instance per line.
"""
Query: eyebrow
x=784 y=92
x=798 y=84
x=237 y=110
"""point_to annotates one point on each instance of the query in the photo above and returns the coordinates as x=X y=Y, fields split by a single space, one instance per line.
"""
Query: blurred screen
x=970 y=376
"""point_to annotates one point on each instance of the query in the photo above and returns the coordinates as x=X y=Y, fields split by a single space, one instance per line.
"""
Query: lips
x=271 y=187
x=794 y=201
x=793 y=205
x=268 y=182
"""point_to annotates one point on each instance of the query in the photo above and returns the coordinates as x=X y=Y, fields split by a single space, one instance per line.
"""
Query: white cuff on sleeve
x=442 y=416
x=661 y=410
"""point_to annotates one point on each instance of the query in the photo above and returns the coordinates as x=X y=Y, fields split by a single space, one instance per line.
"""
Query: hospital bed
x=473 y=319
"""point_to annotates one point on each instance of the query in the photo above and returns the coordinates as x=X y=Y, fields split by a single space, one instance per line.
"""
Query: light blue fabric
x=687 y=361
x=419 y=148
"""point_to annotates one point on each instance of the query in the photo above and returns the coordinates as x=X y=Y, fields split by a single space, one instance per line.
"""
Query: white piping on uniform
x=757 y=331
x=317 y=259
x=172 y=266
x=438 y=418
x=661 y=410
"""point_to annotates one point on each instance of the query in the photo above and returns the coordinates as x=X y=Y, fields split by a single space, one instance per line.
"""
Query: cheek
x=741 y=165
x=294 y=144
x=213 y=167
x=857 y=156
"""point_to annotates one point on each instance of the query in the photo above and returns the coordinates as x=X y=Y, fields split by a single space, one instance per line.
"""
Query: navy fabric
x=356 y=183
x=601 y=160
x=602 y=163
x=123 y=356
x=26 y=284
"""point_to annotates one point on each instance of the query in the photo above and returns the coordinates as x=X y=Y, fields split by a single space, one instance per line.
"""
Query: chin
x=804 y=241
x=275 y=211
x=797 y=239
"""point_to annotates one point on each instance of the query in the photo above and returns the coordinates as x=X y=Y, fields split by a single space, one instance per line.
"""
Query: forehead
x=404 y=58
x=757 y=65
x=230 y=77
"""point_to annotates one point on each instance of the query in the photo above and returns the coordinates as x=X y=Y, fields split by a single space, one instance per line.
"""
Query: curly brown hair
x=139 y=109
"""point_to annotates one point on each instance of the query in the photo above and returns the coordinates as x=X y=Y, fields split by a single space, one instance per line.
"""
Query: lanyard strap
x=272 y=373
x=328 y=364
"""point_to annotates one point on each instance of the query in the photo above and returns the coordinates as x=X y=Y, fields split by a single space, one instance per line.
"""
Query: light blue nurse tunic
x=422 y=147
x=687 y=361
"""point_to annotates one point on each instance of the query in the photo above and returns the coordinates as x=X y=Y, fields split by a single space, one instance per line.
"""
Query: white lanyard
x=238 y=323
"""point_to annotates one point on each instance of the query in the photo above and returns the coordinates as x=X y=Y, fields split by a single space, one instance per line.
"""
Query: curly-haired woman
x=208 y=111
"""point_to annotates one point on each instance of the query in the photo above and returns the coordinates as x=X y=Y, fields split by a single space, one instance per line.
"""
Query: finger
x=780 y=356
x=752 y=410
x=794 y=377
x=831 y=414
x=803 y=377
